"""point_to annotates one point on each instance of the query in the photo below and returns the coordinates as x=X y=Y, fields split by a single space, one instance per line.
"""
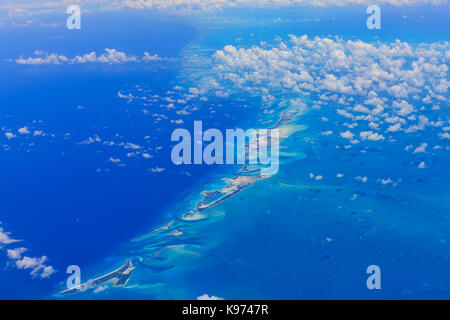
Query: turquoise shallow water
x=290 y=236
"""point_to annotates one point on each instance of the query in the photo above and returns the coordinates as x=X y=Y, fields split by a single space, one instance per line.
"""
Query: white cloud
x=395 y=127
x=37 y=265
x=24 y=130
x=47 y=271
x=379 y=84
x=110 y=56
x=148 y=58
x=89 y=140
x=133 y=146
x=361 y=179
x=369 y=135
x=10 y=135
x=312 y=64
x=404 y=108
x=28 y=9
x=4 y=237
x=207 y=297
x=386 y=181
x=28 y=263
x=347 y=135
x=422 y=148
x=214 y=5
x=360 y=108
x=15 y=253
x=49 y=59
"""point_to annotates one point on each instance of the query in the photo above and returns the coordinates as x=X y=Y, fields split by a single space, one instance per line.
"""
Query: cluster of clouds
x=212 y=5
x=21 y=9
x=177 y=102
x=110 y=56
x=25 y=135
x=25 y=130
x=361 y=179
x=36 y=265
x=132 y=150
x=386 y=86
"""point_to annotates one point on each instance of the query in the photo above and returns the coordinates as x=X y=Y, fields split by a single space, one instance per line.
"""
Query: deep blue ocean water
x=52 y=196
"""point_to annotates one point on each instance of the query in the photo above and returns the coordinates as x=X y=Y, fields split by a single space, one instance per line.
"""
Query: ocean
x=304 y=233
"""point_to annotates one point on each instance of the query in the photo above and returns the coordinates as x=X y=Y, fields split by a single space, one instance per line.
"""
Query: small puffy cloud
x=10 y=135
x=47 y=271
x=404 y=108
x=361 y=179
x=422 y=148
x=112 y=56
x=5 y=239
x=133 y=146
x=207 y=297
x=369 y=135
x=421 y=165
x=89 y=140
x=28 y=263
x=15 y=253
x=360 y=108
x=395 y=127
x=374 y=125
x=347 y=135
x=386 y=181
x=149 y=58
x=24 y=130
